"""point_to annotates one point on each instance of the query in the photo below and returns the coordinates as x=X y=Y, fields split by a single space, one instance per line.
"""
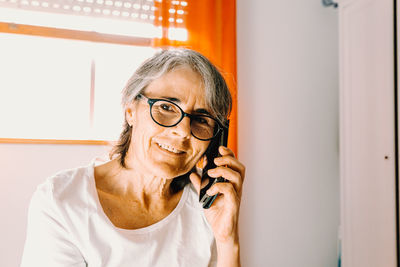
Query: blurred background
x=63 y=64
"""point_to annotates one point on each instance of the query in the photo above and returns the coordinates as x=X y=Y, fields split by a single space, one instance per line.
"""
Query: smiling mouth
x=170 y=149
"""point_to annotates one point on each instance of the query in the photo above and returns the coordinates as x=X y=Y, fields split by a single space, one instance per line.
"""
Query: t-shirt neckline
x=143 y=230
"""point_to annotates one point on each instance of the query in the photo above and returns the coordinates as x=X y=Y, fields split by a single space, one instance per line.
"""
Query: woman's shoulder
x=65 y=188
x=66 y=181
x=65 y=198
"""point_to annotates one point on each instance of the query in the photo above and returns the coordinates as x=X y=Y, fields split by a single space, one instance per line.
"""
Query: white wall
x=288 y=132
x=22 y=168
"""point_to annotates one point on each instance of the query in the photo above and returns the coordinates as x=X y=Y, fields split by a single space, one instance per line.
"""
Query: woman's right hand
x=223 y=215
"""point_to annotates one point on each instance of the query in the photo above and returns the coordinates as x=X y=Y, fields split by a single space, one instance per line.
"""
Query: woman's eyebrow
x=203 y=111
x=173 y=99
x=178 y=101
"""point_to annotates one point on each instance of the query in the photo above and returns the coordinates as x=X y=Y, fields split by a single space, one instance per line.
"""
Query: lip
x=181 y=151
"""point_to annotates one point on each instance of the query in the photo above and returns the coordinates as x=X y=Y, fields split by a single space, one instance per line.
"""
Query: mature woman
x=142 y=207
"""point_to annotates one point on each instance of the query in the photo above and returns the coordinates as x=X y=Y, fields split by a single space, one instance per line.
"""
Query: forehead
x=183 y=84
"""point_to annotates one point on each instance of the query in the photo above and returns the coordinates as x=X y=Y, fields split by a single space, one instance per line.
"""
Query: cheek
x=200 y=149
x=142 y=132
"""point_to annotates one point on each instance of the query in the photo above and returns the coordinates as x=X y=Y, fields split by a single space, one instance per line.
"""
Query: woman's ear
x=129 y=113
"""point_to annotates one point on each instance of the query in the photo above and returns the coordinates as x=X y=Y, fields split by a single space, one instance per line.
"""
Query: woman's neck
x=131 y=184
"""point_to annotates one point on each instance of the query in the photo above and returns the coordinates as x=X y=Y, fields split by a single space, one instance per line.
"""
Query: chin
x=168 y=165
x=168 y=170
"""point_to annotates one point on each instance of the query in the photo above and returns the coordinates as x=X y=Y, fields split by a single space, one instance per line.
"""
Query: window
x=54 y=88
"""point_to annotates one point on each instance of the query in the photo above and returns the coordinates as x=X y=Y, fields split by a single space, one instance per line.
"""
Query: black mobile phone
x=211 y=153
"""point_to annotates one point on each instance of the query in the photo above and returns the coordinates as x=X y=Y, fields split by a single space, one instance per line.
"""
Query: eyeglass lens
x=169 y=114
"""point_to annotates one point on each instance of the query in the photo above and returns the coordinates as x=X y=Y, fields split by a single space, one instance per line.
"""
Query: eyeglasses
x=168 y=114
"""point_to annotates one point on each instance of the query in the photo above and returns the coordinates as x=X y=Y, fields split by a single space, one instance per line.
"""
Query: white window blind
x=121 y=17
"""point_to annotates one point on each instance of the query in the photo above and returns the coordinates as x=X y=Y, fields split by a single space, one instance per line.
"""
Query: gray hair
x=218 y=97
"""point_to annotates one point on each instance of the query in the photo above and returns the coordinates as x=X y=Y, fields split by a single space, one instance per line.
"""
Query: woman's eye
x=201 y=120
x=167 y=107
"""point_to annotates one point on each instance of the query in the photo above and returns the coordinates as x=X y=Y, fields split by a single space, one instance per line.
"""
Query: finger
x=231 y=162
x=232 y=176
x=195 y=179
x=225 y=151
x=227 y=190
x=229 y=174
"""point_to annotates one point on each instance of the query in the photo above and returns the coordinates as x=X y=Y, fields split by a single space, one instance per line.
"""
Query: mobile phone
x=206 y=181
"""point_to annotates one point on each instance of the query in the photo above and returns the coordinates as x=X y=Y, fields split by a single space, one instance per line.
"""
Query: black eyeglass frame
x=152 y=101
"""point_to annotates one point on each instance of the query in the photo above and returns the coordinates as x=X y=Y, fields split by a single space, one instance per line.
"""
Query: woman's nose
x=183 y=127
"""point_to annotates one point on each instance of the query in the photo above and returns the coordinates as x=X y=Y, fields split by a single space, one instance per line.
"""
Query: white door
x=367 y=133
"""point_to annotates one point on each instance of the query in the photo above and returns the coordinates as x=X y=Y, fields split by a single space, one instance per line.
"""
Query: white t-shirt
x=68 y=227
